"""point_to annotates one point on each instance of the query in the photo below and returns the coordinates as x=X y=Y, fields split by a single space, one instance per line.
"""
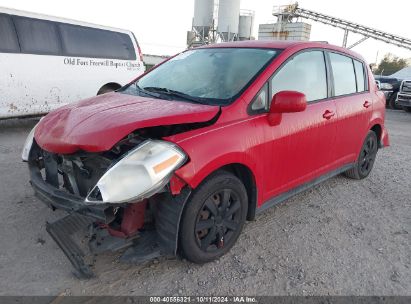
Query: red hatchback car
x=179 y=159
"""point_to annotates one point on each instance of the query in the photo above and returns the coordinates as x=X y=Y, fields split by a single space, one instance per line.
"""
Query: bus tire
x=109 y=87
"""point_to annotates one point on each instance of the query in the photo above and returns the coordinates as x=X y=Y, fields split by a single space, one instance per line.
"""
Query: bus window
x=37 y=36
x=8 y=36
x=89 y=42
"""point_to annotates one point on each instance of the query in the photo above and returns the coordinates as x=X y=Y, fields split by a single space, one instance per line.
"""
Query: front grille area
x=404 y=97
x=76 y=173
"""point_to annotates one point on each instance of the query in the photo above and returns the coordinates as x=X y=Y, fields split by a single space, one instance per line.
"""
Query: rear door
x=302 y=145
x=354 y=105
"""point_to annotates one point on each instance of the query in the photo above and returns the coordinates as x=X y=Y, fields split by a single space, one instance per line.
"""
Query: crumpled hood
x=97 y=124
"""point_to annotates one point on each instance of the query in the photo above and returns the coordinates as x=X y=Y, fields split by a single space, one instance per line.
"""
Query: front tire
x=392 y=104
x=407 y=109
x=366 y=158
x=213 y=218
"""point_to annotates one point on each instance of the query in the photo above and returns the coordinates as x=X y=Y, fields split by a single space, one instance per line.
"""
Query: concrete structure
x=284 y=31
x=218 y=21
x=152 y=60
x=245 y=25
x=203 y=16
x=228 y=19
x=288 y=13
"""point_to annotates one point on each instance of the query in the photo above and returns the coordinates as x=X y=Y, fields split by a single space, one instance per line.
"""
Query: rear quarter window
x=8 y=37
x=37 y=36
x=360 y=75
x=343 y=74
x=95 y=43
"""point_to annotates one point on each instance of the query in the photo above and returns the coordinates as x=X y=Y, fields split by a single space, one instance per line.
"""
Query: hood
x=98 y=123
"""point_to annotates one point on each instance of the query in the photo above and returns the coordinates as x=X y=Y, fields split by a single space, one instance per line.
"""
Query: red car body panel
x=301 y=147
x=98 y=123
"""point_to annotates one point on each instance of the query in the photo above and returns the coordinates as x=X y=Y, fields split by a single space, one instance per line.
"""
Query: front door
x=302 y=146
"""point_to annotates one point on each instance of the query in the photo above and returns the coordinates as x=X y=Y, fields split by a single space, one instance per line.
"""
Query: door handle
x=328 y=114
x=366 y=104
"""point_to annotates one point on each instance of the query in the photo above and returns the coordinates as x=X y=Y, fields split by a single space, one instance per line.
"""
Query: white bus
x=47 y=62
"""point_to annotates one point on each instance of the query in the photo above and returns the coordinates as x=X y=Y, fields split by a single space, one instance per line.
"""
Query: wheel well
x=246 y=176
x=111 y=86
x=378 y=131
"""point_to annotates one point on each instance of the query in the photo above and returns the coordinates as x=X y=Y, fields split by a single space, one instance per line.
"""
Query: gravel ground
x=343 y=237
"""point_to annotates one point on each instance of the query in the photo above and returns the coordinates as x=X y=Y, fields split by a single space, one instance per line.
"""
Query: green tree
x=390 y=64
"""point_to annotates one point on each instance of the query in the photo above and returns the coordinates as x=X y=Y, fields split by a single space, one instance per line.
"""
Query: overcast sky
x=161 y=25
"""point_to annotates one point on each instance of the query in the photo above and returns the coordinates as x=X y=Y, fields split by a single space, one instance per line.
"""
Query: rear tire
x=366 y=158
x=213 y=218
x=108 y=88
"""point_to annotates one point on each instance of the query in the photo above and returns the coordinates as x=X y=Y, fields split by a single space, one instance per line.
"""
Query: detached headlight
x=139 y=174
x=386 y=86
x=28 y=144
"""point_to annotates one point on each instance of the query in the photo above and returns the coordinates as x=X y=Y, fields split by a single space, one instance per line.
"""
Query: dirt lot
x=343 y=237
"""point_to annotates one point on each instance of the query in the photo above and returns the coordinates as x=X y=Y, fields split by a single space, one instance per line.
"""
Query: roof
x=405 y=73
x=257 y=44
x=282 y=44
x=16 y=12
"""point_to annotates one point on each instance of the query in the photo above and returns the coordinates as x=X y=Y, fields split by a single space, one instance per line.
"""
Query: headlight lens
x=139 y=174
x=28 y=144
x=386 y=86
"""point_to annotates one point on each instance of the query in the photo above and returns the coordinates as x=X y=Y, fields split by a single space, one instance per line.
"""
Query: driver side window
x=305 y=73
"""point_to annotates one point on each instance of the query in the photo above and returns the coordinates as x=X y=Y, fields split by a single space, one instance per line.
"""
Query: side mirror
x=286 y=102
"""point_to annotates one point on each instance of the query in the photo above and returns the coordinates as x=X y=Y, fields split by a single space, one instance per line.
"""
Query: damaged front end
x=120 y=197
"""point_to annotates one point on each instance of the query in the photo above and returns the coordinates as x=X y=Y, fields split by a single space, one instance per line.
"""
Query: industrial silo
x=203 y=16
x=228 y=18
x=246 y=25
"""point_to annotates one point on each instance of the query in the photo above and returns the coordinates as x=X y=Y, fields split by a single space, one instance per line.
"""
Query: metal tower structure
x=287 y=13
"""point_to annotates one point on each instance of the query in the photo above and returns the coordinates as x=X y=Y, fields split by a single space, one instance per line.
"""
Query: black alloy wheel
x=213 y=218
x=366 y=158
x=367 y=155
x=217 y=220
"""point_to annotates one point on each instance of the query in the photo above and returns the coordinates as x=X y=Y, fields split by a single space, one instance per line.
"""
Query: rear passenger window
x=360 y=76
x=89 y=42
x=37 y=36
x=304 y=73
x=343 y=74
x=8 y=37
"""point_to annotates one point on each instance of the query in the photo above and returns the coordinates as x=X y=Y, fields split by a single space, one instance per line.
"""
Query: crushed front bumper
x=92 y=224
x=62 y=232
x=59 y=199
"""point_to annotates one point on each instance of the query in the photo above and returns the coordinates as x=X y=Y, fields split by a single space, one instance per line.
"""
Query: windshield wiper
x=152 y=94
x=174 y=93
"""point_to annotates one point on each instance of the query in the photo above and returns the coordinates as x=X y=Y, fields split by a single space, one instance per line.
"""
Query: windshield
x=210 y=76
